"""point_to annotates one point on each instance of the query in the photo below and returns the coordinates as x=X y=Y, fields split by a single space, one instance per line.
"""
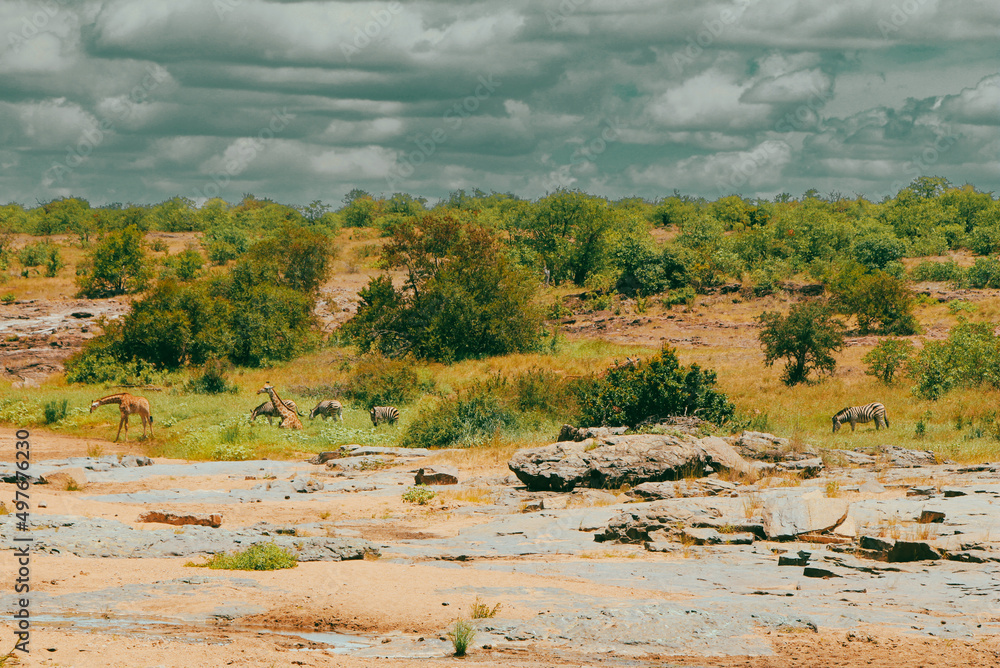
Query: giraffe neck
x=276 y=401
x=112 y=399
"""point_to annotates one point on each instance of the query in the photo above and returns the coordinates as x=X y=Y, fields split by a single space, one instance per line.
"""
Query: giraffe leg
x=120 y=423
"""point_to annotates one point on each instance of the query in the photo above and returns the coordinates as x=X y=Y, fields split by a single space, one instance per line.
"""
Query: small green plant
x=9 y=298
x=158 y=246
x=462 y=635
x=921 y=429
x=55 y=410
x=957 y=306
x=482 y=610
x=259 y=557
x=212 y=379
x=833 y=489
x=419 y=495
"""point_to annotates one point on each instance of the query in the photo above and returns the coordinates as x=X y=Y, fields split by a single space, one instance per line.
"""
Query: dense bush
x=471 y=417
x=887 y=358
x=380 y=381
x=807 y=338
x=984 y=273
x=939 y=271
x=116 y=266
x=969 y=358
x=185 y=266
x=655 y=388
x=212 y=379
x=876 y=251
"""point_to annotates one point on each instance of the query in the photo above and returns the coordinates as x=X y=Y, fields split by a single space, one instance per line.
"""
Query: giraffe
x=288 y=417
x=128 y=404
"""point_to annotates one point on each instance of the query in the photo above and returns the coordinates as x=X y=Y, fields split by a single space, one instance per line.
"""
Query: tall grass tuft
x=462 y=635
x=482 y=610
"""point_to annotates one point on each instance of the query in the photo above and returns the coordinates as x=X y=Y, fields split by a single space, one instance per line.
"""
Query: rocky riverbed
x=864 y=563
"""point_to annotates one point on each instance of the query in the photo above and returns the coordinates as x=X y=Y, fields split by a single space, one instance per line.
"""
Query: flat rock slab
x=791 y=515
x=164 y=517
x=87 y=537
x=614 y=461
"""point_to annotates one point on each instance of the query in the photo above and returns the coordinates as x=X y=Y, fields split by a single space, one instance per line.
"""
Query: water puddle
x=337 y=643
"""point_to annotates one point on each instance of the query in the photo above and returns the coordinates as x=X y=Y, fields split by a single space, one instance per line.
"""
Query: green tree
x=887 y=358
x=569 y=232
x=876 y=251
x=463 y=296
x=807 y=338
x=118 y=265
x=882 y=304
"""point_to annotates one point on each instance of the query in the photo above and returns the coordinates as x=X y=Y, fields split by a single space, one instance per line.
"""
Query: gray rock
x=807 y=468
x=852 y=457
x=790 y=516
x=619 y=460
x=194 y=519
x=871 y=487
x=653 y=491
x=922 y=490
x=303 y=485
x=895 y=551
x=952 y=492
x=436 y=476
x=571 y=433
x=133 y=460
x=904 y=458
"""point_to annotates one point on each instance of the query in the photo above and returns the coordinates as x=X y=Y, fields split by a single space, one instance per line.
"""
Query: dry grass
x=752 y=505
x=479 y=495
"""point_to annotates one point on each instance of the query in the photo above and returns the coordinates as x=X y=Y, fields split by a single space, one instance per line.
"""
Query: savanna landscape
x=732 y=328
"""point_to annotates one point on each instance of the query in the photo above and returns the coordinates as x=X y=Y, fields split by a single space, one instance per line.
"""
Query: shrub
x=938 y=271
x=116 y=266
x=41 y=253
x=381 y=381
x=807 y=337
x=259 y=557
x=984 y=273
x=875 y=251
x=185 y=266
x=472 y=417
x=887 y=358
x=212 y=379
x=543 y=390
x=655 y=388
x=482 y=610
x=55 y=410
x=970 y=357
x=226 y=243
x=419 y=495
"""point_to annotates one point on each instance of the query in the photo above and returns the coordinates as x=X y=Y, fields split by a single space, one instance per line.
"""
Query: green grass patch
x=259 y=557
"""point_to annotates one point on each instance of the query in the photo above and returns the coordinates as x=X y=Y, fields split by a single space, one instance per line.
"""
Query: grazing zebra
x=328 y=408
x=381 y=414
x=861 y=414
x=266 y=409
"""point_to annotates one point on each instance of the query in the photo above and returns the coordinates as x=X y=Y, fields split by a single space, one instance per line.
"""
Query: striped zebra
x=380 y=414
x=861 y=414
x=328 y=408
x=266 y=409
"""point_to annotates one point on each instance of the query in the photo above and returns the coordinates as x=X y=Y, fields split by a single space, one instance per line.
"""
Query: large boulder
x=614 y=461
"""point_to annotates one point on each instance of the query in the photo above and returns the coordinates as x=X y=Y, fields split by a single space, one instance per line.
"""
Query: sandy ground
x=382 y=600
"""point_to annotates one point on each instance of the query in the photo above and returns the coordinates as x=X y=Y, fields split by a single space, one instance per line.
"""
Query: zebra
x=381 y=414
x=328 y=408
x=861 y=414
x=266 y=409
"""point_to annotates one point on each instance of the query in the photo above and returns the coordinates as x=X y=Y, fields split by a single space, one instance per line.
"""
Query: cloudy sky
x=141 y=100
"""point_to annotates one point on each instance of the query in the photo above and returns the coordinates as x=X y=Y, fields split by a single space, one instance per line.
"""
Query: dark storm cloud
x=140 y=100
